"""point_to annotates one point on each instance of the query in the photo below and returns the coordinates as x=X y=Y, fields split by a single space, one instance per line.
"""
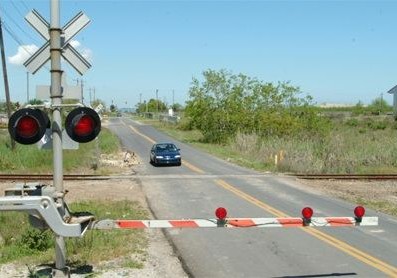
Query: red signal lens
x=84 y=126
x=359 y=211
x=307 y=212
x=221 y=213
x=27 y=127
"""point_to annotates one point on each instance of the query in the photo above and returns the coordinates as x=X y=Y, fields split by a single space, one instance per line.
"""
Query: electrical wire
x=16 y=8
x=16 y=24
x=12 y=34
x=24 y=4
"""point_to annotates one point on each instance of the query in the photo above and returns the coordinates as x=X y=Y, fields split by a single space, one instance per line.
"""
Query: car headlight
x=159 y=156
x=177 y=156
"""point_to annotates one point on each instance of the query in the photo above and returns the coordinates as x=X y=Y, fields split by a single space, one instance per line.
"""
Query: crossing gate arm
x=109 y=224
x=46 y=208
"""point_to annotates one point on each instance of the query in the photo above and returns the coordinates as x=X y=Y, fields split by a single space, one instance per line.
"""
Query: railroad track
x=30 y=177
x=346 y=176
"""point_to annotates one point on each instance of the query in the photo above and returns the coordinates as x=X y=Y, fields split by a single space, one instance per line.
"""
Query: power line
x=16 y=8
x=24 y=4
x=12 y=34
x=16 y=24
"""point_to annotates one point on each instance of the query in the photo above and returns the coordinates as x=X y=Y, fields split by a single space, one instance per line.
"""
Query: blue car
x=165 y=154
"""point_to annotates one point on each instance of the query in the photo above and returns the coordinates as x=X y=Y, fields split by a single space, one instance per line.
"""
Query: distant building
x=333 y=105
x=393 y=91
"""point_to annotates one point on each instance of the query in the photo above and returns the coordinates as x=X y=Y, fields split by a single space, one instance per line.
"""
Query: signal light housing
x=27 y=126
x=307 y=213
x=83 y=124
x=359 y=212
x=221 y=213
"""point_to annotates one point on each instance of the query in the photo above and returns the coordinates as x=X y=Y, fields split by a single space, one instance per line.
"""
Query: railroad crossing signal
x=27 y=126
x=41 y=56
x=83 y=124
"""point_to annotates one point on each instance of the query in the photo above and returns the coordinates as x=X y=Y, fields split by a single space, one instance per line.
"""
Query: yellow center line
x=142 y=135
x=343 y=246
x=192 y=167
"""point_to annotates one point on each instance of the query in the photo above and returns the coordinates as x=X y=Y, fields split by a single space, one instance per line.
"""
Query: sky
x=335 y=51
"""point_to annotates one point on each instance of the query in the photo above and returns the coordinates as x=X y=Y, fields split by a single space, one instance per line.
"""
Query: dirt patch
x=353 y=190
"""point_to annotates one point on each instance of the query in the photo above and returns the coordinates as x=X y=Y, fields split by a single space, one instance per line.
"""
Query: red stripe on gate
x=339 y=221
x=183 y=224
x=241 y=223
x=290 y=222
x=131 y=224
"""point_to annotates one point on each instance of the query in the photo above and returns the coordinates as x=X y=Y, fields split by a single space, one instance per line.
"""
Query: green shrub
x=36 y=240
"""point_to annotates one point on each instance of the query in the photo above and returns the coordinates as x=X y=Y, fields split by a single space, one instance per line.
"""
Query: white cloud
x=75 y=44
x=24 y=52
x=85 y=52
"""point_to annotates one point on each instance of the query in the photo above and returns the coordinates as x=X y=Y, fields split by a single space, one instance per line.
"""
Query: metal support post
x=56 y=97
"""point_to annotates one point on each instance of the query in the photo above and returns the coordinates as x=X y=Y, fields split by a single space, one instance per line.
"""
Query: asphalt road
x=204 y=183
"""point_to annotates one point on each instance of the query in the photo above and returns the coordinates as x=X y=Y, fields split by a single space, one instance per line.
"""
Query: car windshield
x=166 y=148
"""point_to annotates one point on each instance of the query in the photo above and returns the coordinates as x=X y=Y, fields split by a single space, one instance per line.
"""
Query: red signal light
x=83 y=124
x=221 y=213
x=28 y=126
x=359 y=211
x=307 y=212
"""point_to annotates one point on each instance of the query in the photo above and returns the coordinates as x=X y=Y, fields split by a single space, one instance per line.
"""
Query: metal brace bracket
x=47 y=209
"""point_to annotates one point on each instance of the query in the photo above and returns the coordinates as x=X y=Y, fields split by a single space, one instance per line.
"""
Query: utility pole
x=140 y=103
x=89 y=91
x=157 y=101
x=27 y=87
x=381 y=101
x=7 y=91
x=173 y=93
x=82 y=90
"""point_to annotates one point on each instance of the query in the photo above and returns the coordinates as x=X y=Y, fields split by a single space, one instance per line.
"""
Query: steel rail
x=31 y=177
x=346 y=176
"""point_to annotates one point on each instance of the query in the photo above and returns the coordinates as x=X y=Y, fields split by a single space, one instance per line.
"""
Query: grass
x=22 y=243
x=362 y=149
x=30 y=159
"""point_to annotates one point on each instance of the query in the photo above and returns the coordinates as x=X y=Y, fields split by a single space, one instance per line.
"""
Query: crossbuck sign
x=41 y=56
